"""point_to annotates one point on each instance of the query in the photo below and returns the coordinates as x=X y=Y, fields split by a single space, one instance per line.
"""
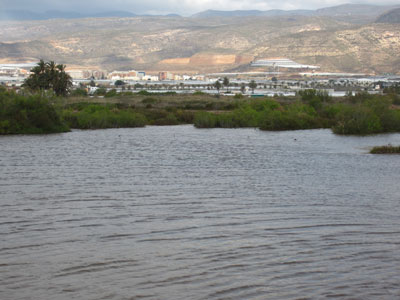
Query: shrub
x=111 y=93
x=389 y=149
x=95 y=116
x=170 y=119
x=100 y=91
x=204 y=120
x=79 y=92
x=357 y=121
x=149 y=100
x=144 y=93
x=369 y=115
x=28 y=114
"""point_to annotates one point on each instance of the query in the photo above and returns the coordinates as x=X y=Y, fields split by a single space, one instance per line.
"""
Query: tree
x=119 y=83
x=252 y=85
x=226 y=83
x=49 y=76
x=242 y=88
x=137 y=86
x=217 y=85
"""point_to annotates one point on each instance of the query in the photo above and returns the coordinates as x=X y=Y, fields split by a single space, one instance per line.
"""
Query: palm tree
x=242 y=88
x=217 y=85
x=226 y=83
x=46 y=76
x=252 y=85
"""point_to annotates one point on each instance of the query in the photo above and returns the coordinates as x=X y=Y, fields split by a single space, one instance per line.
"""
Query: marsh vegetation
x=361 y=114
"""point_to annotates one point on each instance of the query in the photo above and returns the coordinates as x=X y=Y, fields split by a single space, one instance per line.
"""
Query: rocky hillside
x=203 y=45
x=391 y=17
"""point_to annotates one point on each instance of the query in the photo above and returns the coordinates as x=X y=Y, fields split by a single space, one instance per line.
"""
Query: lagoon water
x=182 y=213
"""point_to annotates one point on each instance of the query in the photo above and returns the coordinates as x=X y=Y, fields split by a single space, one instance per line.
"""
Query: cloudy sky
x=183 y=7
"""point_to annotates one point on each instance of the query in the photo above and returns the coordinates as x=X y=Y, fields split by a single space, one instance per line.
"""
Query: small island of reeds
x=388 y=149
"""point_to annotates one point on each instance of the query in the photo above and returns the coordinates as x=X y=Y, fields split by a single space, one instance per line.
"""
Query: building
x=85 y=73
x=12 y=72
x=165 y=76
x=150 y=78
x=281 y=63
x=141 y=74
x=123 y=75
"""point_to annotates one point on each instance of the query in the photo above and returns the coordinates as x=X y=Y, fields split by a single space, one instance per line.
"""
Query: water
x=183 y=213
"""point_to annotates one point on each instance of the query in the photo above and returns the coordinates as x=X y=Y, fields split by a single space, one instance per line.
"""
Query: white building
x=281 y=63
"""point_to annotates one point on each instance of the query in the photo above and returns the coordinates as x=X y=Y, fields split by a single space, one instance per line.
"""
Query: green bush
x=28 y=115
x=100 y=91
x=369 y=115
x=149 y=100
x=79 y=92
x=389 y=149
x=144 y=93
x=111 y=93
x=170 y=119
x=204 y=120
x=95 y=116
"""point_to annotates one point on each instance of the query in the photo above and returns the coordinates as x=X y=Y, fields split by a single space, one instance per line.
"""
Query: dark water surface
x=182 y=213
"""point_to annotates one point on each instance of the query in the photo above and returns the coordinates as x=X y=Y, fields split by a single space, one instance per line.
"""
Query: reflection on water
x=182 y=213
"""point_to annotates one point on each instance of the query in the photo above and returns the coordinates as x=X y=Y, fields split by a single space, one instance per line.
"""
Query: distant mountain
x=353 y=9
x=392 y=17
x=219 y=13
x=249 y=13
x=356 y=13
x=174 y=16
x=116 y=13
x=20 y=15
x=185 y=45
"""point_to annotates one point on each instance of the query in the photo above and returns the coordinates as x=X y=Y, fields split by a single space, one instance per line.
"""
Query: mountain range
x=341 y=11
x=345 y=10
x=392 y=17
x=209 y=43
x=21 y=15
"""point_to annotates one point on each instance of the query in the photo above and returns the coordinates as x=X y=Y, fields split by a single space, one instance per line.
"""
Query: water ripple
x=180 y=213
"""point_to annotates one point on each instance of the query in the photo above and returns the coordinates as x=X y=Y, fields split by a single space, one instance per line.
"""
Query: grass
x=388 y=149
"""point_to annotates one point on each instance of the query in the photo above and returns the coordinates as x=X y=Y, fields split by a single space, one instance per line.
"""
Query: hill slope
x=203 y=45
x=391 y=17
x=352 y=13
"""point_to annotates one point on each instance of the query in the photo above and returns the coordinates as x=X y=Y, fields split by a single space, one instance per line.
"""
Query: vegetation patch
x=367 y=114
x=361 y=114
x=28 y=115
x=388 y=149
x=96 y=116
x=265 y=114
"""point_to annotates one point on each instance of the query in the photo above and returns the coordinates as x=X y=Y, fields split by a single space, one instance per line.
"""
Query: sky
x=182 y=7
